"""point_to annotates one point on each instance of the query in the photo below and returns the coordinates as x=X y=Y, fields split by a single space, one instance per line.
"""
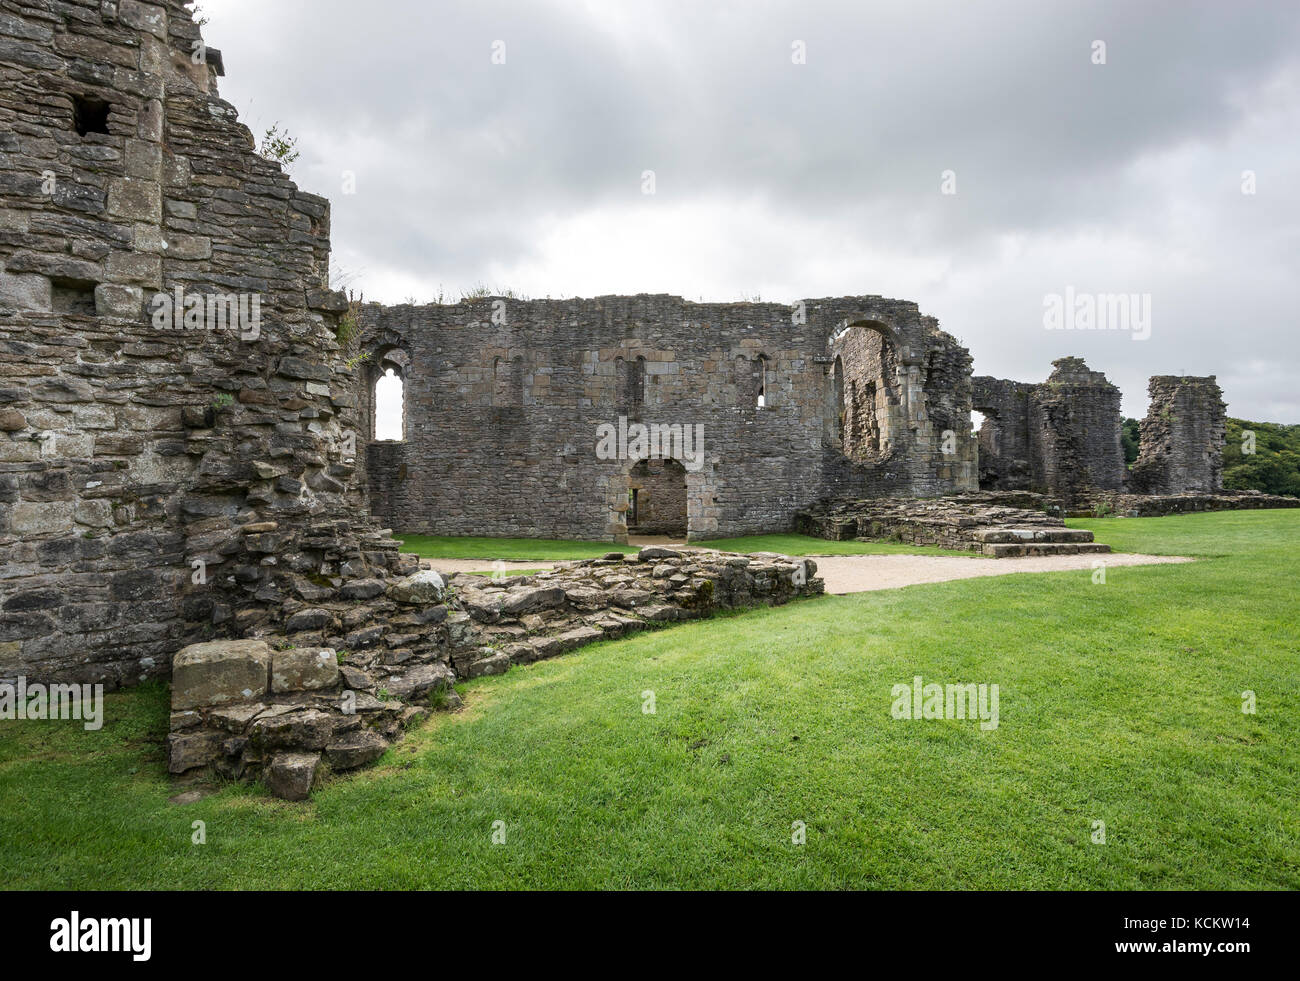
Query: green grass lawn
x=1119 y=702
x=530 y=549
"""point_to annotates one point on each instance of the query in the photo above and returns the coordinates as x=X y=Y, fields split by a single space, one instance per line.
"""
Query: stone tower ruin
x=1182 y=437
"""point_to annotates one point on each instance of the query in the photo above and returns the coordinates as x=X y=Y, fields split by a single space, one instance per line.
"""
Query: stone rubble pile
x=344 y=676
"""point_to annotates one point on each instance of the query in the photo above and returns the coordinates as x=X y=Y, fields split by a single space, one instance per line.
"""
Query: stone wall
x=1061 y=437
x=157 y=485
x=1004 y=457
x=505 y=400
x=1182 y=437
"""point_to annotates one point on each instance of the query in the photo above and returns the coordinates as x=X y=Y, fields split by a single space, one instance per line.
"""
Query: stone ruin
x=187 y=411
x=1060 y=438
x=504 y=400
x=1182 y=438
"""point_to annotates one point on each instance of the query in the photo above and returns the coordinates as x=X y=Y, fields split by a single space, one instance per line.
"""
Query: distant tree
x=1130 y=439
x=1273 y=468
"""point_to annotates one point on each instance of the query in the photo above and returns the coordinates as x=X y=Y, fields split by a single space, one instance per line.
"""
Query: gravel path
x=863 y=573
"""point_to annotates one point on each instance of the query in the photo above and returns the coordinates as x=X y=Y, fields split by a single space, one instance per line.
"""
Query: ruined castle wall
x=899 y=419
x=131 y=453
x=1004 y=454
x=1061 y=437
x=1182 y=437
x=1074 y=429
x=504 y=412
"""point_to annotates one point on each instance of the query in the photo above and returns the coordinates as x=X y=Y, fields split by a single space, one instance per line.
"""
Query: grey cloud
x=463 y=167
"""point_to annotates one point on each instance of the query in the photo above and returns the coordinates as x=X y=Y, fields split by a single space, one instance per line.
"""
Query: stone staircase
x=1001 y=542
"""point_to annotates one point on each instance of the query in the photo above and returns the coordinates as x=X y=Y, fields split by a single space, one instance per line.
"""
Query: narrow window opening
x=89 y=115
x=390 y=407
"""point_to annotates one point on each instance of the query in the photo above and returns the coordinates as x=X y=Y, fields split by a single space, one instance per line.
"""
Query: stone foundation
x=996 y=525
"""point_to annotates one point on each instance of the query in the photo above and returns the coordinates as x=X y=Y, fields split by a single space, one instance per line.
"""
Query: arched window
x=390 y=406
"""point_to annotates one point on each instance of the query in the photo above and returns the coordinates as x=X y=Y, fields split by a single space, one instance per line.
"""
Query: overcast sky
x=781 y=180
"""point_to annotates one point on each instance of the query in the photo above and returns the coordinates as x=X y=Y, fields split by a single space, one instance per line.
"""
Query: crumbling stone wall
x=505 y=399
x=1061 y=437
x=350 y=675
x=157 y=485
x=1075 y=432
x=1181 y=449
x=1004 y=457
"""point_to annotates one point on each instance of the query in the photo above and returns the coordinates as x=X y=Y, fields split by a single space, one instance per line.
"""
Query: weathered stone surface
x=356 y=749
x=306 y=729
x=304 y=669
x=531 y=599
x=417 y=681
x=425 y=586
x=362 y=589
x=30 y=292
x=290 y=776
x=313 y=619
x=220 y=672
x=186 y=751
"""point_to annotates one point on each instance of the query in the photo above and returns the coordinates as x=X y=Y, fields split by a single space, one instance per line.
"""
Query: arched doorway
x=657 y=500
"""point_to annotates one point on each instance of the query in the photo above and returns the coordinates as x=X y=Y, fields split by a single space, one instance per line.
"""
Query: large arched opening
x=864 y=391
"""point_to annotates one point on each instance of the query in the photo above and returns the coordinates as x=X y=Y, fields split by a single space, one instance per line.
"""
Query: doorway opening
x=657 y=500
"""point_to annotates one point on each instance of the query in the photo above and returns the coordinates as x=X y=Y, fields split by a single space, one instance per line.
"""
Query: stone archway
x=868 y=391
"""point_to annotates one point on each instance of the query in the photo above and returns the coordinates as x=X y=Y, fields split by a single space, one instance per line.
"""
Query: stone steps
x=1005 y=550
x=1024 y=536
